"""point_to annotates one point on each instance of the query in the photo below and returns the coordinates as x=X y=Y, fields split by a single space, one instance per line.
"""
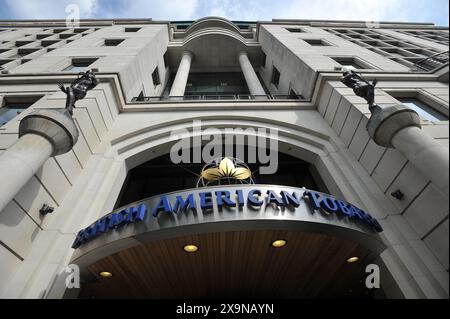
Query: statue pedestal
x=42 y=134
x=399 y=127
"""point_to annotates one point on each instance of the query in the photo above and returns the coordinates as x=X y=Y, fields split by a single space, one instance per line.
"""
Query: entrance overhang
x=256 y=214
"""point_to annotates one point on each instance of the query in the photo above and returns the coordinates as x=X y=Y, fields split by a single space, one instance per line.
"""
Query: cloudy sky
x=435 y=11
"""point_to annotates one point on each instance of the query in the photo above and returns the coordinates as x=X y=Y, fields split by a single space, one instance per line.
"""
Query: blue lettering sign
x=223 y=198
x=182 y=204
x=112 y=221
x=252 y=199
x=163 y=205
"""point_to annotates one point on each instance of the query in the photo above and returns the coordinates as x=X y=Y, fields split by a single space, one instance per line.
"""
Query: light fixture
x=398 y=194
x=105 y=274
x=190 y=248
x=352 y=259
x=279 y=243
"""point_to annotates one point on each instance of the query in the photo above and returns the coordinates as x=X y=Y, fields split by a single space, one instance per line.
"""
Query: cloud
x=155 y=9
x=55 y=9
x=48 y=9
x=247 y=10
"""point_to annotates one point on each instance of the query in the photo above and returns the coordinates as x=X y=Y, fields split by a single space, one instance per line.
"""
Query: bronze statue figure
x=77 y=90
x=361 y=87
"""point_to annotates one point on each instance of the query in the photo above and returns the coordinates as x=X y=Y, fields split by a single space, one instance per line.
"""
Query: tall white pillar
x=42 y=134
x=427 y=155
x=254 y=86
x=179 y=84
x=19 y=163
x=399 y=126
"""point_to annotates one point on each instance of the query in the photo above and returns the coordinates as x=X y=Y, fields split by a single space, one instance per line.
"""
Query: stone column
x=399 y=127
x=42 y=134
x=179 y=84
x=426 y=154
x=254 y=86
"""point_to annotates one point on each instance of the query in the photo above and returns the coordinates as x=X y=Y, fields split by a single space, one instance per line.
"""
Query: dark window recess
x=59 y=30
x=79 y=30
x=155 y=77
x=294 y=95
x=46 y=43
x=424 y=110
x=66 y=35
x=160 y=175
x=243 y=26
x=13 y=106
x=42 y=36
x=212 y=83
x=166 y=59
x=24 y=52
x=316 y=42
x=113 y=42
x=264 y=58
x=140 y=97
x=22 y=43
x=275 y=77
x=79 y=65
x=5 y=61
x=182 y=26
x=295 y=30
x=132 y=29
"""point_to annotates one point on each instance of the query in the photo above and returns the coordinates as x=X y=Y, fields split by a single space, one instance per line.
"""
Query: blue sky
x=435 y=11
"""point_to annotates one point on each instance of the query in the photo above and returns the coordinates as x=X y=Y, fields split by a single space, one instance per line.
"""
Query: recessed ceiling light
x=190 y=248
x=279 y=243
x=352 y=259
x=105 y=274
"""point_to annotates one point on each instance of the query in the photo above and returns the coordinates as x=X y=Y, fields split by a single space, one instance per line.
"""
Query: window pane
x=424 y=111
x=275 y=76
x=155 y=77
x=7 y=114
x=73 y=68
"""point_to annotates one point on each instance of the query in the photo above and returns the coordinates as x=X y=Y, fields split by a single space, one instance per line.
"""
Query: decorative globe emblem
x=225 y=171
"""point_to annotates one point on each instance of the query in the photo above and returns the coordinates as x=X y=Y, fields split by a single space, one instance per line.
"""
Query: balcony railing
x=432 y=62
x=221 y=97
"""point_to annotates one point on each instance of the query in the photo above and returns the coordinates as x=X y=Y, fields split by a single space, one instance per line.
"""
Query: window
x=79 y=65
x=292 y=93
x=46 y=43
x=112 y=42
x=349 y=63
x=80 y=30
x=275 y=76
x=5 y=61
x=59 y=30
x=295 y=30
x=316 y=42
x=264 y=59
x=165 y=58
x=22 y=43
x=23 y=52
x=424 y=110
x=182 y=26
x=13 y=106
x=132 y=29
x=66 y=35
x=155 y=77
x=42 y=36
x=140 y=97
